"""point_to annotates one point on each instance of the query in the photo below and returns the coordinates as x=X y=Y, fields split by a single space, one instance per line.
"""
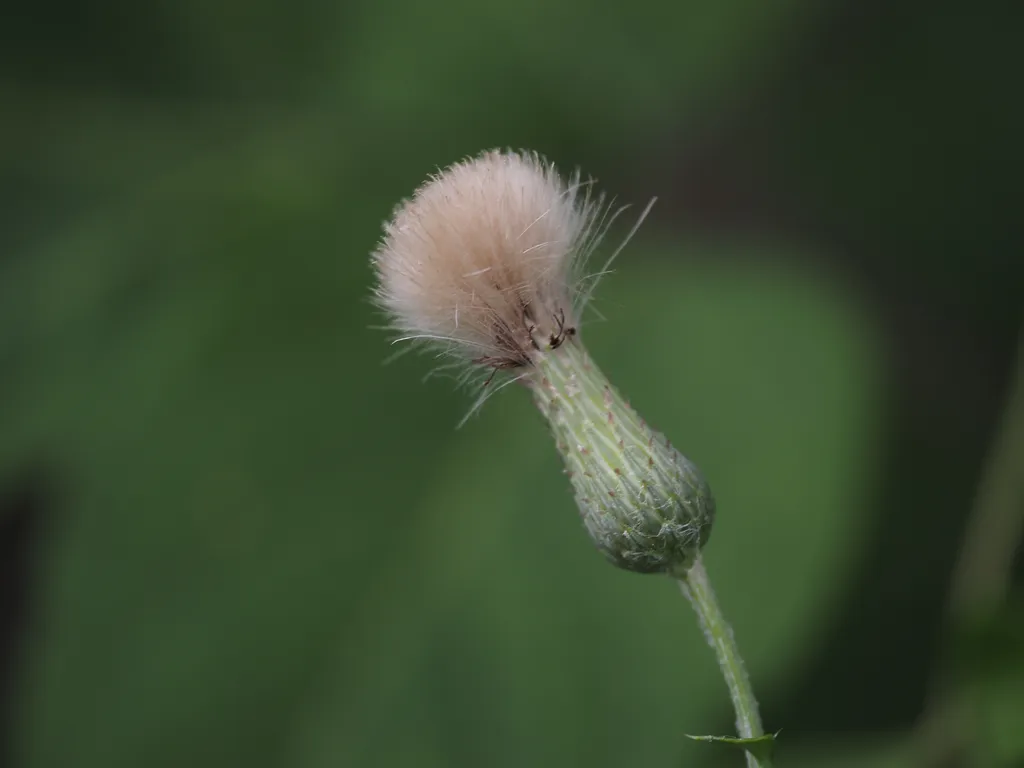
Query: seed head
x=487 y=263
x=481 y=258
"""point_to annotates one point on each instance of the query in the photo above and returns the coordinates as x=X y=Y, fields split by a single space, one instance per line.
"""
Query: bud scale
x=646 y=507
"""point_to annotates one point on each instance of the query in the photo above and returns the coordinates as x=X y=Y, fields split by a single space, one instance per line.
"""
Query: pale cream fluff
x=487 y=259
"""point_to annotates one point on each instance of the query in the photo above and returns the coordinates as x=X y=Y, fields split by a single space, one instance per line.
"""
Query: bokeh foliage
x=266 y=547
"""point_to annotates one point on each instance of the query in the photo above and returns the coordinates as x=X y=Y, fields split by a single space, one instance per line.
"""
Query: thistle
x=488 y=263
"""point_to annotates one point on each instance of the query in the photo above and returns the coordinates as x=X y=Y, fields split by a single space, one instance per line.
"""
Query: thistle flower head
x=484 y=260
x=487 y=263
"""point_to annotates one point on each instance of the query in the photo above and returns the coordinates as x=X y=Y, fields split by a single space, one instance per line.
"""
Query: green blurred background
x=230 y=536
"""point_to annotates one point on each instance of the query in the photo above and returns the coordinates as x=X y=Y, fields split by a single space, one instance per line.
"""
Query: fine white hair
x=489 y=255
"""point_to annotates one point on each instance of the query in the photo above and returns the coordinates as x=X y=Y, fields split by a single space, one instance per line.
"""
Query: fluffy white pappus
x=487 y=260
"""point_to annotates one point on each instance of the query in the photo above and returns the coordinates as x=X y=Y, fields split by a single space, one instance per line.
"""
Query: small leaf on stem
x=761 y=747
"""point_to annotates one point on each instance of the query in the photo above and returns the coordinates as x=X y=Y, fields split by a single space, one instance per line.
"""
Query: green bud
x=646 y=507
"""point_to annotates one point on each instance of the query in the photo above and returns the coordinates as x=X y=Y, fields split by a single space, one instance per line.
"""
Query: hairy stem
x=697 y=588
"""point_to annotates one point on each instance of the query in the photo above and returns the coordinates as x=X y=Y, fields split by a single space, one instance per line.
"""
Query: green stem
x=697 y=588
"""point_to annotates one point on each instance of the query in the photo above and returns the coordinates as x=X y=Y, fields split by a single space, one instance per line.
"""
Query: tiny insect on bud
x=488 y=262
